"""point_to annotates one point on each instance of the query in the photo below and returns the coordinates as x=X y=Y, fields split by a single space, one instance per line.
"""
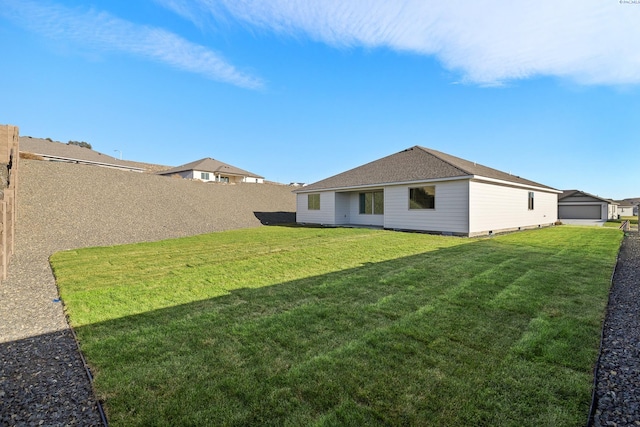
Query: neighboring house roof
x=412 y=165
x=633 y=201
x=210 y=165
x=624 y=203
x=570 y=193
x=59 y=151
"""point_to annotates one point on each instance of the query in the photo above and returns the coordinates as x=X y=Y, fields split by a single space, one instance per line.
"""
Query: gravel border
x=617 y=392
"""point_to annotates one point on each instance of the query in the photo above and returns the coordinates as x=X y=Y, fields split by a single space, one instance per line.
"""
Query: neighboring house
x=633 y=202
x=211 y=170
x=427 y=190
x=626 y=208
x=68 y=153
x=576 y=204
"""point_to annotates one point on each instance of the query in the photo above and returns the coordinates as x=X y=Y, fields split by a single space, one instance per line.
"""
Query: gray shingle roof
x=569 y=193
x=210 y=165
x=412 y=165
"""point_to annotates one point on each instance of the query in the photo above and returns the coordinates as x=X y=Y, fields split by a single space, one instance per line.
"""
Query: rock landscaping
x=617 y=392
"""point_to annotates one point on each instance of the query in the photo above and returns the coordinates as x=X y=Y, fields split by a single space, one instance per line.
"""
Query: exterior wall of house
x=196 y=174
x=495 y=208
x=625 y=210
x=348 y=210
x=463 y=207
x=325 y=215
x=343 y=208
x=253 y=180
x=451 y=213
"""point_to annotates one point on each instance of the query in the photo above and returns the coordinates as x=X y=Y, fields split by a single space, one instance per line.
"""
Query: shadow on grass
x=276 y=218
x=483 y=333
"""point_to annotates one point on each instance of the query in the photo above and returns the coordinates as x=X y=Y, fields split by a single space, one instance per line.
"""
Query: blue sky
x=299 y=90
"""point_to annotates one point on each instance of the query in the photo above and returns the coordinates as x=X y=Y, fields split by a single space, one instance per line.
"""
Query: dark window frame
x=313 y=201
x=371 y=202
x=422 y=198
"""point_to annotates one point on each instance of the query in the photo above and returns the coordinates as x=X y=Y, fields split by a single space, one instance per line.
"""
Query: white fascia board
x=382 y=185
x=514 y=184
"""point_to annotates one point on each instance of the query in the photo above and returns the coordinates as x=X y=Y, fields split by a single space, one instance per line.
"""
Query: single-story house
x=626 y=208
x=212 y=170
x=576 y=204
x=60 y=152
x=633 y=202
x=426 y=190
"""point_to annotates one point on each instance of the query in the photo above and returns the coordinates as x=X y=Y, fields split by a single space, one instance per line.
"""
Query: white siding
x=500 y=208
x=343 y=214
x=363 y=219
x=625 y=210
x=326 y=213
x=253 y=180
x=198 y=175
x=449 y=216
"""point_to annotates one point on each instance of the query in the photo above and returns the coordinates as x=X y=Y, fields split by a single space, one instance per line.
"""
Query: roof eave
x=381 y=184
x=517 y=184
x=456 y=178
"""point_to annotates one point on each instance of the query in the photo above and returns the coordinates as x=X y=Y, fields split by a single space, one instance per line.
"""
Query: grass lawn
x=308 y=326
x=618 y=222
x=612 y=224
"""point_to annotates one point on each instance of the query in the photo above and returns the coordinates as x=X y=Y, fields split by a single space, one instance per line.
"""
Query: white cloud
x=105 y=32
x=487 y=42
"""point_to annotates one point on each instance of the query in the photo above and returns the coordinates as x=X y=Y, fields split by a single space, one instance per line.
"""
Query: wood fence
x=9 y=159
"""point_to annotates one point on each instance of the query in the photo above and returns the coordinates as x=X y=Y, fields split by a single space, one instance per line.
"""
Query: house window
x=530 y=200
x=313 y=202
x=204 y=175
x=223 y=179
x=422 y=197
x=372 y=203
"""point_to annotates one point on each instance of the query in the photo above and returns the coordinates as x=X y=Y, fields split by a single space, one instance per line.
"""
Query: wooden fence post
x=3 y=238
x=9 y=159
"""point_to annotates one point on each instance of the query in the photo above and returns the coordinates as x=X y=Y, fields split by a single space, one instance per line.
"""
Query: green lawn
x=618 y=222
x=308 y=326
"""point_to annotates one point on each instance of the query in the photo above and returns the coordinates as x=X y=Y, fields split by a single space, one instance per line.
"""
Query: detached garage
x=575 y=204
